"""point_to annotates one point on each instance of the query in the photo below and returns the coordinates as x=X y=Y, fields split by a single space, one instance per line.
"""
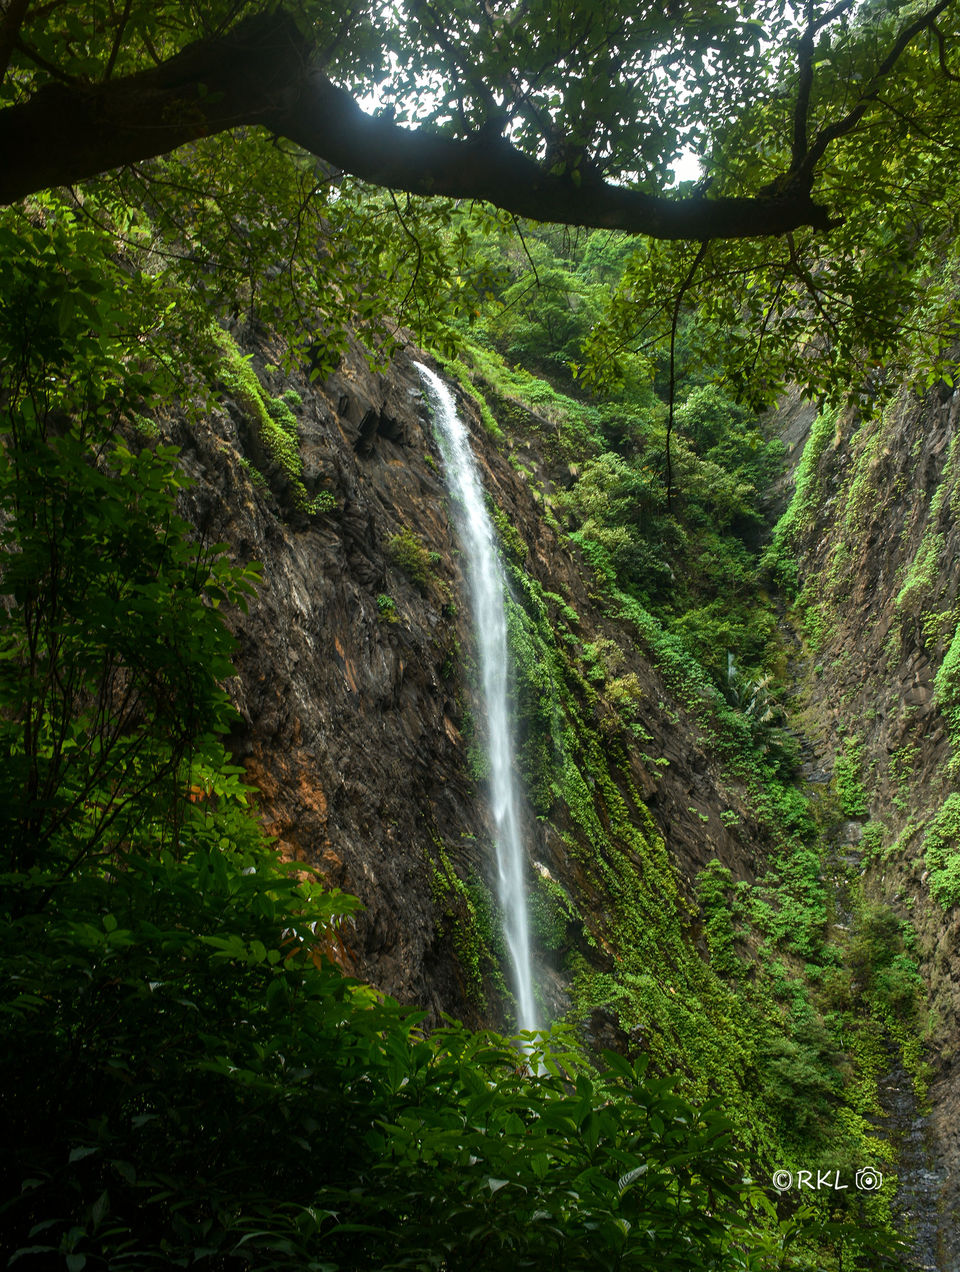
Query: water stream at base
x=487 y=583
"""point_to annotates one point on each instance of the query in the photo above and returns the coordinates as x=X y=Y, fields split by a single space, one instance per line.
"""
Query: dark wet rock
x=920 y=1180
x=354 y=691
x=876 y=660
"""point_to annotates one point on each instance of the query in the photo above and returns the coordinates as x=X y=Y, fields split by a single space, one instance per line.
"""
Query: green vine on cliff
x=276 y=424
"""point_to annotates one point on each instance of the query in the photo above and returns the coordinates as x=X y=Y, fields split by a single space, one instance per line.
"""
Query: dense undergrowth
x=772 y=1024
x=924 y=617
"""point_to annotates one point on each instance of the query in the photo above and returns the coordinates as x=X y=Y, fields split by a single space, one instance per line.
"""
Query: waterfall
x=486 y=582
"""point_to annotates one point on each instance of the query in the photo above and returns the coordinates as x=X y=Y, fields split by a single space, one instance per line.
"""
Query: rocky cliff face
x=876 y=529
x=360 y=721
x=361 y=725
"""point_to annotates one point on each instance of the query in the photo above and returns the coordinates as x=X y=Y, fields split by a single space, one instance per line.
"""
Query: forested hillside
x=260 y=1000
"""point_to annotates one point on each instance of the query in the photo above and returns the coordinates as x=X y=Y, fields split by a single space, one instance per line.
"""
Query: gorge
x=666 y=919
x=410 y=940
x=422 y=626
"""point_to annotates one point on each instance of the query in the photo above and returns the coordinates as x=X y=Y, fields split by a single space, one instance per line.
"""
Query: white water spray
x=486 y=581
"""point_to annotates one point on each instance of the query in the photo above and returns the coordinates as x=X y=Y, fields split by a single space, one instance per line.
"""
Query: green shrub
x=714 y=886
x=550 y=911
x=941 y=845
x=847 y=778
x=800 y=1081
x=280 y=412
x=947 y=687
x=387 y=608
x=276 y=424
x=406 y=551
x=873 y=836
x=797 y=519
x=881 y=960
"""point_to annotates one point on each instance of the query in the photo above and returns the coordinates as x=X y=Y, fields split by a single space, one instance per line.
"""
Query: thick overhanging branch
x=260 y=74
x=68 y=132
x=328 y=122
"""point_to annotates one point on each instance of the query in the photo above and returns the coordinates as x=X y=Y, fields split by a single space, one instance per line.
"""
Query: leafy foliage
x=406 y=551
x=110 y=648
x=942 y=848
x=798 y=120
x=190 y=1079
x=847 y=775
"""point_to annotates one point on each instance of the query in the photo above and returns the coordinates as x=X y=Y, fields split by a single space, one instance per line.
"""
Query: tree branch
x=674 y=320
x=942 y=54
x=804 y=86
x=328 y=122
x=259 y=74
x=806 y=50
x=802 y=173
x=31 y=54
x=10 y=23
x=118 y=39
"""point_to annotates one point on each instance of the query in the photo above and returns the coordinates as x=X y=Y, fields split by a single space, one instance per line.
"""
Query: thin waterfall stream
x=487 y=584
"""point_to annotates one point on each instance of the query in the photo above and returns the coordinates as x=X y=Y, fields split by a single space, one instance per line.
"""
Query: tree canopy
x=553 y=112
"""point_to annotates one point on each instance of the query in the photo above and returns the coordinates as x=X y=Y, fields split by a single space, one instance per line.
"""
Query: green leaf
x=631 y=1176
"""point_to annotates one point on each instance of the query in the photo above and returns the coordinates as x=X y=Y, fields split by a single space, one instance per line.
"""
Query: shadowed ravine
x=901 y=1121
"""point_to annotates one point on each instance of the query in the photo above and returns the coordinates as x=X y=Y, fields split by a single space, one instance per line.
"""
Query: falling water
x=486 y=580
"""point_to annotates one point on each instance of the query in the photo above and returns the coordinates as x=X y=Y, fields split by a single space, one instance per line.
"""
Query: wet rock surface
x=920 y=1193
x=354 y=678
x=873 y=666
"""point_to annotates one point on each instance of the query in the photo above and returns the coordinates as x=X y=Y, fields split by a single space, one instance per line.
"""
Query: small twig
x=942 y=53
x=801 y=272
x=766 y=322
x=419 y=250
x=684 y=287
x=118 y=39
x=151 y=48
x=907 y=119
x=526 y=252
x=38 y=60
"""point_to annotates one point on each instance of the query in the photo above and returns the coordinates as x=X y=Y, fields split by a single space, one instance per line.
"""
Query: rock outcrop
x=354 y=684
